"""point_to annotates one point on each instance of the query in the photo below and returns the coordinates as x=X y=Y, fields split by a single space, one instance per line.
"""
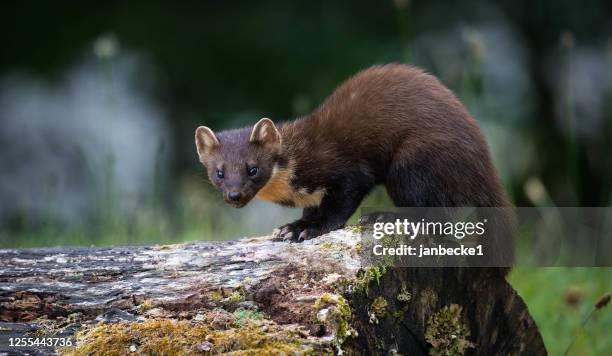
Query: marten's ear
x=205 y=140
x=264 y=131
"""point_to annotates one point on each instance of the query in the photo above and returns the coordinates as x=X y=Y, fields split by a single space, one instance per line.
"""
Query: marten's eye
x=220 y=174
x=253 y=171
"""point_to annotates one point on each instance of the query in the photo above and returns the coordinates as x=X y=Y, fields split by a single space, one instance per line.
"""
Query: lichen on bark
x=446 y=332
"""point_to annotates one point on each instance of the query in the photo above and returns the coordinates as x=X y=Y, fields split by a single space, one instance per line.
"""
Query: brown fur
x=390 y=112
x=392 y=125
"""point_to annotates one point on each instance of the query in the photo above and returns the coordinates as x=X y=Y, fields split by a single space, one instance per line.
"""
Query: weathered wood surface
x=297 y=298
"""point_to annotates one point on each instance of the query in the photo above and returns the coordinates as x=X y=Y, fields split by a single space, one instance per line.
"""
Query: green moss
x=326 y=245
x=147 y=304
x=325 y=299
x=403 y=297
x=379 y=306
x=252 y=340
x=160 y=336
x=170 y=337
x=354 y=228
x=167 y=247
x=359 y=247
x=366 y=276
x=340 y=313
x=215 y=296
x=377 y=309
x=235 y=297
x=243 y=315
x=399 y=314
x=330 y=246
x=343 y=329
x=446 y=332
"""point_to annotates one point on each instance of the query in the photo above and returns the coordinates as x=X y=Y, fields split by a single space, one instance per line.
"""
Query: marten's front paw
x=297 y=231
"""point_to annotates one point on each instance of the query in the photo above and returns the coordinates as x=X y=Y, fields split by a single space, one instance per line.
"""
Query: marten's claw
x=287 y=232
x=282 y=233
x=296 y=232
x=304 y=235
x=275 y=232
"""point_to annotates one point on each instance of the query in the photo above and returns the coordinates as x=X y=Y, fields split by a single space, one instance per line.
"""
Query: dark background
x=228 y=64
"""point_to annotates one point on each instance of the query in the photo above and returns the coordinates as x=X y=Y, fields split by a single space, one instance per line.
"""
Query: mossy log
x=255 y=296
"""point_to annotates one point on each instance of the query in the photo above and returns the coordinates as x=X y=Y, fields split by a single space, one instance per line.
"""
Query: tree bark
x=256 y=296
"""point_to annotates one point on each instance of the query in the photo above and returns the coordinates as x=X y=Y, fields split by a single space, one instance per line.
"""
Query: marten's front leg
x=336 y=208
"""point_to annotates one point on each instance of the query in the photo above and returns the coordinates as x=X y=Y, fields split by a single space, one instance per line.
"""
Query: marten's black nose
x=234 y=196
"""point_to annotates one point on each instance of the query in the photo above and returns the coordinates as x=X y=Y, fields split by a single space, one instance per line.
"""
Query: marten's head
x=240 y=162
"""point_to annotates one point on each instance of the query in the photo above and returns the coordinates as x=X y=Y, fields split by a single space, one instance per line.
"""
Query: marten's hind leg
x=411 y=183
x=439 y=182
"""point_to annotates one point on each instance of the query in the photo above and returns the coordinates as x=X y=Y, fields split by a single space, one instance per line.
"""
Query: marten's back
x=395 y=110
x=390 y=103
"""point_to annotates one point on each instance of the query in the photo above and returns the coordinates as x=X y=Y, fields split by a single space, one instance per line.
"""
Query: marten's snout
x=234 y=196
x=237 y=196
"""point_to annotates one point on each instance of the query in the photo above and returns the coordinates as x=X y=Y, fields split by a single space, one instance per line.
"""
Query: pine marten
x=392 y=124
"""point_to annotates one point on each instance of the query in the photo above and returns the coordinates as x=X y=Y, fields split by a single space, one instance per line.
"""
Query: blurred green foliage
x=559 y=299
x=228 y=64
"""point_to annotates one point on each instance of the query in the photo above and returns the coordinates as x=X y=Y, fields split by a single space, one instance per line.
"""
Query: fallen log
x=254 y=296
